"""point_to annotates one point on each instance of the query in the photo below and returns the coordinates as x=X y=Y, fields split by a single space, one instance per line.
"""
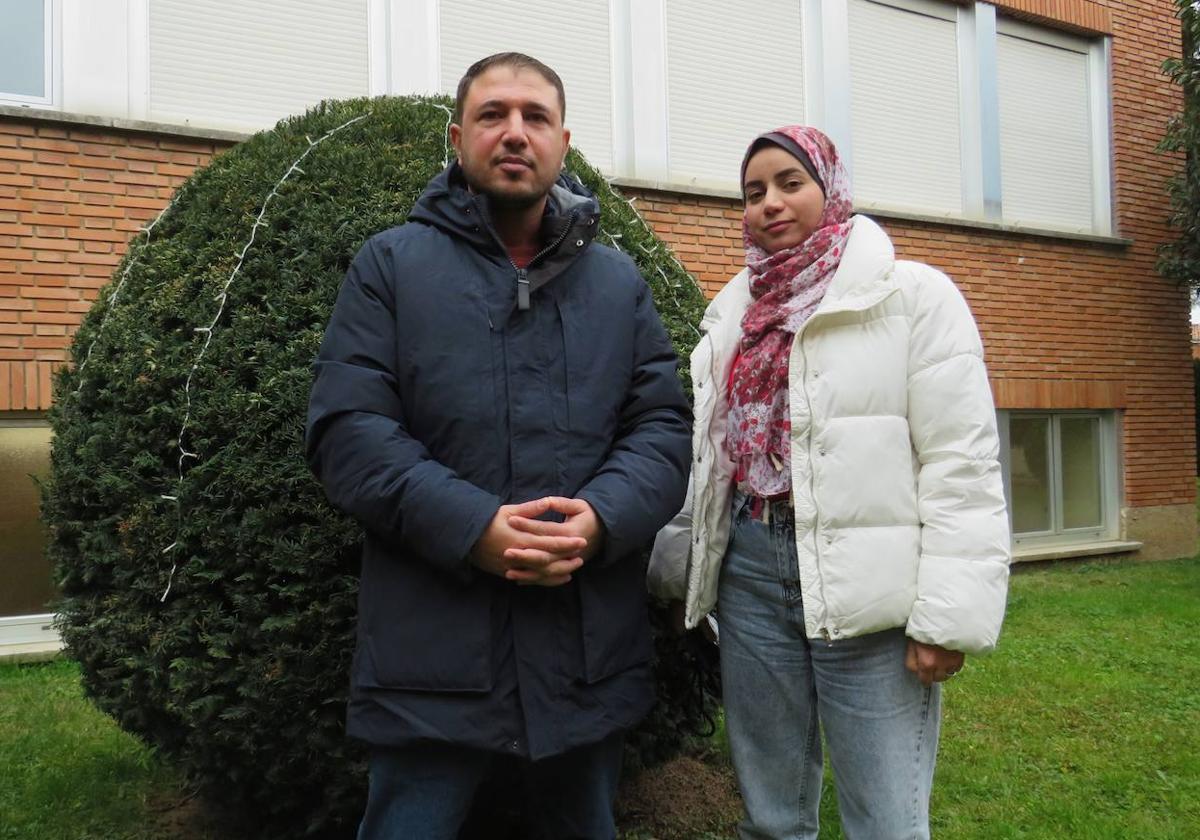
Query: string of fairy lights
x=134 y=256
x=222 y=298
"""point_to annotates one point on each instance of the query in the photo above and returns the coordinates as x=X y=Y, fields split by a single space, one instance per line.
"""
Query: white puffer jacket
x=900 y=511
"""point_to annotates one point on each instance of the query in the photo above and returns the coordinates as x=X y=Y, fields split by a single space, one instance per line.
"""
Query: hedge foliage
x=239 y=675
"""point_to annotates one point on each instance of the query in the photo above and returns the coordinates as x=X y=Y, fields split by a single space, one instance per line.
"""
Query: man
x=497 y=402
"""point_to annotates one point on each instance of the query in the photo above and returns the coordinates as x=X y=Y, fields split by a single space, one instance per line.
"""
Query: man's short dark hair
x=515 y=61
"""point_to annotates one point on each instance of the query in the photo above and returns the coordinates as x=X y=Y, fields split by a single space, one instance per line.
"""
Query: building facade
x=1010 y=144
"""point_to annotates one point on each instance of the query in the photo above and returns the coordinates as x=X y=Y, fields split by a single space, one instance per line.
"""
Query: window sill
x=28 y=638
x=1029 y=554
x=42 y=114
x=884 y=212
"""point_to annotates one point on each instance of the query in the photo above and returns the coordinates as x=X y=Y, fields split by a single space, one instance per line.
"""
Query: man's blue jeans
x=782 y=690
x=424 y=791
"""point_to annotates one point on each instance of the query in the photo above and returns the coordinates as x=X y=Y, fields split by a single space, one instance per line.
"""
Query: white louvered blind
x=1045 y=133
x=734 y=70
x=230 y=64
x=904 y=107
x=571 y=38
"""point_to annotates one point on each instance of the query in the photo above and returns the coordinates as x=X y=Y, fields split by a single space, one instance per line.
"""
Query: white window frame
x=52 y=29
x=1110 y=477
x=1098 y=52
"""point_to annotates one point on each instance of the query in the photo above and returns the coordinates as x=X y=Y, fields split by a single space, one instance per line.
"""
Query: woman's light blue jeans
x=782 y=690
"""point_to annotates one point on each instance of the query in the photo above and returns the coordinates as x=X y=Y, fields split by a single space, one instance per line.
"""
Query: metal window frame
x=1098 y=54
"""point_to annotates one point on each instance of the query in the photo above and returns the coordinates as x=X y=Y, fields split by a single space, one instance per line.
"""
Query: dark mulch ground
x=687 y=798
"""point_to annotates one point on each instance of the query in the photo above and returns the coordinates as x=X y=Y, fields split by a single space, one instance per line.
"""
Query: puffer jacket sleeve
x=357 y=444
x=641 y=484
x=962 y=578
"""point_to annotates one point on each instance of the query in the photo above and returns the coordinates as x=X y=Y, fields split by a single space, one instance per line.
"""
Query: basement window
x=1060 y=475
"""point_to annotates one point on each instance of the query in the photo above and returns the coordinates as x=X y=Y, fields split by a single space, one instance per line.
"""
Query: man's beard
x=525 y=196
x=511 y=201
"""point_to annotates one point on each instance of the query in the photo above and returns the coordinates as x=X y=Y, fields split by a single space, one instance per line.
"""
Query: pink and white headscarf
x=786 y=287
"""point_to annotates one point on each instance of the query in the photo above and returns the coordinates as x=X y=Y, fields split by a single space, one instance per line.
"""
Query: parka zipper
x=823 y=627
x=523 y=273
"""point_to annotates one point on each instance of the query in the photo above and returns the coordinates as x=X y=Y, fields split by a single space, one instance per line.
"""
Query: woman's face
x=783 y=202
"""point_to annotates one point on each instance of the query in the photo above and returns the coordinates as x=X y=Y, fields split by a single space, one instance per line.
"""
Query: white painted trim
x=970 y=110
x=835 y=78
x=28 y=630
x=1099 y=63
x=378 y=53
x=103 y=42
x=139 y=59
x=621 y=61
x=415 y=46
x=650 y=107
x=54 y=52
x=979 y=111
x=813 y=55
x=989 y=111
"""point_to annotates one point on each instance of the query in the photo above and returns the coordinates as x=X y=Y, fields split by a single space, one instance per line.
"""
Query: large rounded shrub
x=208 y=588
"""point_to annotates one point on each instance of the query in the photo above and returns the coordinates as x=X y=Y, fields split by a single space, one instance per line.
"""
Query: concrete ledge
x=1065 y=552
x=18 y=654
x=145 y=126
x=28 y=638
x=881 y=211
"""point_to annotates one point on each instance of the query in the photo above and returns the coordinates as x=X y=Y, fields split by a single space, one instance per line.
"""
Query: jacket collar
x=448 y=204
x=569 y=224
x=863 y=278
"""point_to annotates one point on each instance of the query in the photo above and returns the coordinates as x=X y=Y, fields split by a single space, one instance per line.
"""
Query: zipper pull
x=522 y=289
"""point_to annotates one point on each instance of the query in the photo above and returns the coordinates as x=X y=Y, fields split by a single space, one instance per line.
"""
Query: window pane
x=1081 y=472
x=1029 y=468
x=27 y=588
x=23 y=47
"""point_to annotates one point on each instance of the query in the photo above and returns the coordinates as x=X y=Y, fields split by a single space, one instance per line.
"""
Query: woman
x=846 y=515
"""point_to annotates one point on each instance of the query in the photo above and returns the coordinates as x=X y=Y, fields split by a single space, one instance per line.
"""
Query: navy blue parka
x=450 y=382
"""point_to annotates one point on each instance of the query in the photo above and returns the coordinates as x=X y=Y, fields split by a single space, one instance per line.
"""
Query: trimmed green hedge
x=239 y=675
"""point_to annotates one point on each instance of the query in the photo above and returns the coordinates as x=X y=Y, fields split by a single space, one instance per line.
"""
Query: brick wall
x=71 y=197
x=1066 y=323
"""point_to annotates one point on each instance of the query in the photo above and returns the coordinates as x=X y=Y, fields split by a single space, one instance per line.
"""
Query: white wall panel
x=734 y=70
x=230 y=64
x=571 y=38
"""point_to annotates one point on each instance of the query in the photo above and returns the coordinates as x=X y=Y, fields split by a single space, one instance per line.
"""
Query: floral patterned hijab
x=786 y=287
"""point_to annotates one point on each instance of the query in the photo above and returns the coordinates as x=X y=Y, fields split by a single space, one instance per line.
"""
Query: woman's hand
x=932 y=663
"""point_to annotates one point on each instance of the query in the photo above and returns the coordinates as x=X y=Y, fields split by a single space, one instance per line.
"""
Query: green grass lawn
x=68 y=771
x=1084 y=724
